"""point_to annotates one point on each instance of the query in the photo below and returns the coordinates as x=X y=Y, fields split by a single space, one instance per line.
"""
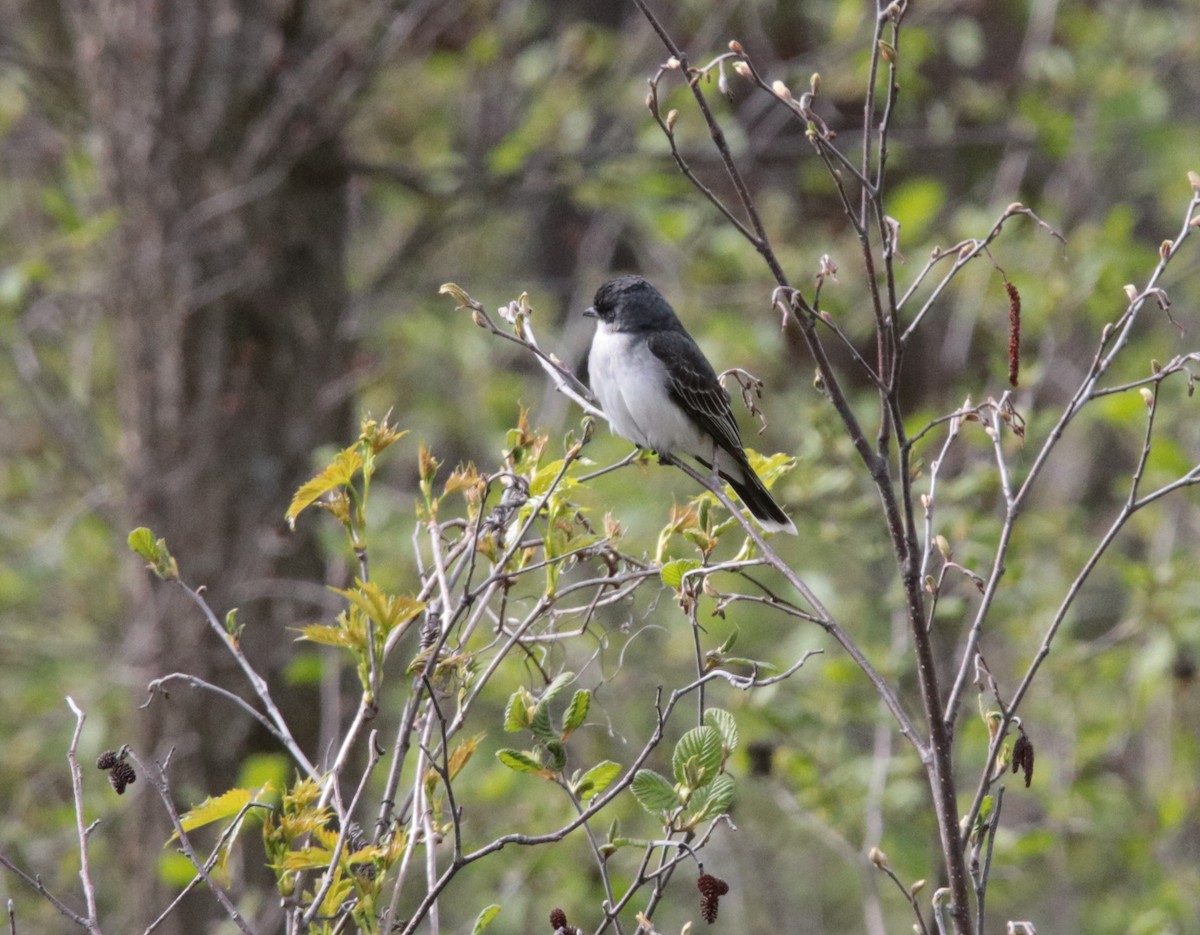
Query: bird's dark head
x=632 y=304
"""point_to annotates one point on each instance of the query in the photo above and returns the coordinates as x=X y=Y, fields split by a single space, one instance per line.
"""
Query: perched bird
x=659 y=390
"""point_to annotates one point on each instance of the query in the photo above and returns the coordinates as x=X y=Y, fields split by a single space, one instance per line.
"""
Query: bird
x=659 y=391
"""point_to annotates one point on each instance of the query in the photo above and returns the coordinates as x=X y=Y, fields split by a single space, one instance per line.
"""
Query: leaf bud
x=673 y=63
x=1130 y=291
x=814 y=83
x=743 y=69
x=1164 y=248
x=878 y=858
x=917 y=887
x=1194 y=179
x=672 y=115
x=781 y=90
x=887 y=52
x=736 y=47
x=943 y=546
x=1148 y=397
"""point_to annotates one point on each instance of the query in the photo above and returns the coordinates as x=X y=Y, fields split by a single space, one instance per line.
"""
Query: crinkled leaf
x=713 y=799
x=520 y=761
x=576 y=711
x=541 y=726
x=484 y=918
x=697 y=757
x=725 y=725
x=597 y=779
x=555 y=688
x=672 y=572
x=338 y=473
x=516 y=715
x=556 y=756
x=654 y=792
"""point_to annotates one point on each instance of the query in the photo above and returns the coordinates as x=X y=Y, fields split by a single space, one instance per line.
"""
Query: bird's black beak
x=590 y=312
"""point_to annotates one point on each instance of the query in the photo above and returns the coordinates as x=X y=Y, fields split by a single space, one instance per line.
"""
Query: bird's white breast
x=631 y=385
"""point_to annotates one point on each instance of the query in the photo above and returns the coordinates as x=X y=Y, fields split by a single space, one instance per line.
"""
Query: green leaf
x=520 y=761
x=697 y=757
x=541 y=726
x=722 y=721
x=556 y=756
x=654 y=792
x=155 y=552
x=516 y=715
x=555 y=688
x=545 y=477
x=210 y=810
x=672 y=572
x=713 y=799
x=485 y=917
x=597 y=779
x=141 y=540
x=576 y=711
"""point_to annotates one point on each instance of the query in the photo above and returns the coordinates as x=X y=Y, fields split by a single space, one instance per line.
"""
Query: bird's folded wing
x=692 y=384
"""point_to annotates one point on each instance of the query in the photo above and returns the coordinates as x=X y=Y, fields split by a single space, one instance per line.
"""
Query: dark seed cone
x=1022 y=757
x=711 y=890
x=122 y=775
x=558 y=920
x=107 y=760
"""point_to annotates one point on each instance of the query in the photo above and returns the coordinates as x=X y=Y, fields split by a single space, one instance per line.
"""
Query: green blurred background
x=221 y=237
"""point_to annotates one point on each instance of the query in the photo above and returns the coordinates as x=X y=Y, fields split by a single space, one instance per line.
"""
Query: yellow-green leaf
x=329 y=636
x=339 y=472
x=210 y=810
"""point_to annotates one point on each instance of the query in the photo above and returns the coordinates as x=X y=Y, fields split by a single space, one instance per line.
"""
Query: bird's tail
x=759 y=502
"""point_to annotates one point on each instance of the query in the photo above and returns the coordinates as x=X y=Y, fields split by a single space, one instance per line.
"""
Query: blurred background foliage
x=505 y=145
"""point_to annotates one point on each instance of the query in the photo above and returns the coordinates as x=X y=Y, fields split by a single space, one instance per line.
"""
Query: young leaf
x=462 y=754
x=329 y=636
x=556 y=756
x=713 y=799
x=516 y=715
x=210 y=810
x=485 y=918
x=555 y=688
x=520 y=761
x=725 y=725
x=672 y=572
x=141 y=540
x=702 y=747
x=597 y=779
x=338 y=473
x=576 y=712
x=654 y=792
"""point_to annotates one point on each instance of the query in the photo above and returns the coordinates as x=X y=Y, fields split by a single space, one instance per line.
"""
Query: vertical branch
x=91 y=923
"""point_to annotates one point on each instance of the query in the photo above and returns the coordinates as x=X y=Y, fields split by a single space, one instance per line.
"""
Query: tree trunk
x=229 y=300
